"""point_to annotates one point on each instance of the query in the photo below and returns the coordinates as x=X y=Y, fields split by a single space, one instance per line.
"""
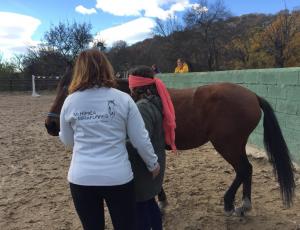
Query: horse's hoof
x=246 y=205
x=240 y=211
x=228 y=213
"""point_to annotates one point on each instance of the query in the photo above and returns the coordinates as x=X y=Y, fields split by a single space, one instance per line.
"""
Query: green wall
x=281 y=87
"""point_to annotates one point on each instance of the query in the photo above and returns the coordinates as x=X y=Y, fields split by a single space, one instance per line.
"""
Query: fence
x=281 y=87
x=14 y=83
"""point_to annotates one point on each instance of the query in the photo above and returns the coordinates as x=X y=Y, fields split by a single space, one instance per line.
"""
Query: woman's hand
x=156 y=171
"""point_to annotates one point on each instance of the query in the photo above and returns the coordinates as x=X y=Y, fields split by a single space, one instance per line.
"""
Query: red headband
x=168 y=108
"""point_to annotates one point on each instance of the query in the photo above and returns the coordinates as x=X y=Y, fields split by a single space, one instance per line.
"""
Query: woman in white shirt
x=95 y=120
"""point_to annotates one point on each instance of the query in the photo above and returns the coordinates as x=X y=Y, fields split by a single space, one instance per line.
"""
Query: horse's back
x=232 y=111
x=231 y=103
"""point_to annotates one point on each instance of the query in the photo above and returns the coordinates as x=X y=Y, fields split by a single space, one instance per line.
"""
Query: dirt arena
x=34 y=193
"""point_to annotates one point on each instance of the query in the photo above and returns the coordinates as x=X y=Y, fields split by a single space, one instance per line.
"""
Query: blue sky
x=23 y=22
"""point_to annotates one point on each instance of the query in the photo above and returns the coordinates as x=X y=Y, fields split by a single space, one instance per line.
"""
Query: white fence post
x=34 y=93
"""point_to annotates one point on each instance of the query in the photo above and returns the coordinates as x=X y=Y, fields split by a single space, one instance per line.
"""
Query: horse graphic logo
x=111 y=108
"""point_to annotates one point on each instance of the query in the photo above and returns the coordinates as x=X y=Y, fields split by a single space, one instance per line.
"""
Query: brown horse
x=224 y=114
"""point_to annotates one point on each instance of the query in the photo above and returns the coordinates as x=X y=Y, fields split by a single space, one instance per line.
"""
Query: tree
x=168 y=26
x=241 y=50
x=119 y=45
x=294 y=59
x=278 y=37
x=204 y=14
x=209 y=27
x=44 y=62
x=69 y=39
x=6 y=68
x=61 y=45
x=118 y=55
x=17 y=60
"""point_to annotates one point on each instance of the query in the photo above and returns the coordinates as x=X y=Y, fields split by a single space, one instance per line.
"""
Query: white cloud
x=164 y=2
x=16 y=31
x=180 y=6
x=81 y=9
x=121 y=7
x=147 y=8
x=131 y=32
x=140 y=28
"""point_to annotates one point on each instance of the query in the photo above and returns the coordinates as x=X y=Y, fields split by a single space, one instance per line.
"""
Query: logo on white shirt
x=89 y=115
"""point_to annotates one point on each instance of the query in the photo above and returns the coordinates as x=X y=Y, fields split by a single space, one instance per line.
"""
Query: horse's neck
x=123 y=85
x=59 y=100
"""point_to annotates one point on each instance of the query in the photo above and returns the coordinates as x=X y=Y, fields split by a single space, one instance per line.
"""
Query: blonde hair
x=92 y=68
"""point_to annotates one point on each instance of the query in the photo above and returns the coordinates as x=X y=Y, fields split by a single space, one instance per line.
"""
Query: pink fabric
x=169 y=124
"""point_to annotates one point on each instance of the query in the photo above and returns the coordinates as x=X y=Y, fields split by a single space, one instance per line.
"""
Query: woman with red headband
x=157 y=110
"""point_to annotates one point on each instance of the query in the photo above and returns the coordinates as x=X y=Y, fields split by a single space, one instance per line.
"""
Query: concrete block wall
x=281 y=87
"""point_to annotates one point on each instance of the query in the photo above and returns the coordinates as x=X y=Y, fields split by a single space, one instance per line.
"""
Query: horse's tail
x=278 y=153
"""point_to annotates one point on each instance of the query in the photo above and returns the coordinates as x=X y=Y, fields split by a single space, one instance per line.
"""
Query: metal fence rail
x=25 y=84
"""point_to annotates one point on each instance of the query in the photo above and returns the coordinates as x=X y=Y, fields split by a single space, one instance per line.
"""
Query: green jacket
x=145 y=186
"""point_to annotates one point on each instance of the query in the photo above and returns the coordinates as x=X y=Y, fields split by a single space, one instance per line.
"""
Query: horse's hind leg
x=247 y=182
x=229 y=196
x=232 y=155
x=236 y=156
x=243 y=175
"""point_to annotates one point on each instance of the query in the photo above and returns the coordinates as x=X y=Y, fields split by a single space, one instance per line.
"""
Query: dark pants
x=148 y=215
x=120 y=200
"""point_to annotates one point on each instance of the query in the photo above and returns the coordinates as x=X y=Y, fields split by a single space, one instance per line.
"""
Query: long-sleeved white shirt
x=95 y=123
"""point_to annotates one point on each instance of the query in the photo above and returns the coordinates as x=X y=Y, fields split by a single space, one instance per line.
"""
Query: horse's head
x=52 y=120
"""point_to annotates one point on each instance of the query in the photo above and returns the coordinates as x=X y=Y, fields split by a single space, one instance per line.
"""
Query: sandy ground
x=34 y=192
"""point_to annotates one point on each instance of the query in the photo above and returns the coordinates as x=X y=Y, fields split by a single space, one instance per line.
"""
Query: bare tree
x=119 y=56
x=204 y=14
x=17 y=60
x=119 y=45
x=208 y=24
x=168 y=26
